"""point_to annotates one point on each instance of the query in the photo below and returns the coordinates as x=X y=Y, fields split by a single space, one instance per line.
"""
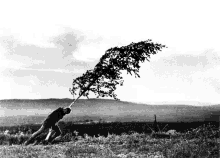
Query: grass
x=201 y=142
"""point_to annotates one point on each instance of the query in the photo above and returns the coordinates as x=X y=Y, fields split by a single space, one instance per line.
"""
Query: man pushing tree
x=103 y=79
x=51 y=123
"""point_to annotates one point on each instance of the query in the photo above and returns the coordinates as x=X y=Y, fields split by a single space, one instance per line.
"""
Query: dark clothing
x=49 y=122
x=54 y=117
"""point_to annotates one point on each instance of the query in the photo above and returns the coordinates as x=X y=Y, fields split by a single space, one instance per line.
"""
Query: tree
x=103 y=79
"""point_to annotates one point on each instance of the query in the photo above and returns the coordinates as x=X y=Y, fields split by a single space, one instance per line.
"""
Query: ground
x=117 y=146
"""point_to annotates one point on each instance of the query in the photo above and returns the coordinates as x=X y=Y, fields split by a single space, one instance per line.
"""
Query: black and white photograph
x=109 y=79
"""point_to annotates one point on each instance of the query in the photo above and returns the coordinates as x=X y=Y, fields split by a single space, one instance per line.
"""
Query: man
x=51 y=123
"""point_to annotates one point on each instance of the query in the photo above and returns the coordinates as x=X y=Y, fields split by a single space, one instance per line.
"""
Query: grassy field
x=201 y=142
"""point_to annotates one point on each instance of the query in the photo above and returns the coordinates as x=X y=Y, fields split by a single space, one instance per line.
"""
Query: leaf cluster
x=107 y=74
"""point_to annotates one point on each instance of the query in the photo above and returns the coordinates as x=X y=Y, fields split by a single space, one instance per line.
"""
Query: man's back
x=54 y=117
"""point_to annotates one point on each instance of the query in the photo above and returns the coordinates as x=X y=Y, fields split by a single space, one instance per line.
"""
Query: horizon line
x=159 y=103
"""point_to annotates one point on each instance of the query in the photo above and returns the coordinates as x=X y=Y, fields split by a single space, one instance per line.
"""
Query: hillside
x=18 y=111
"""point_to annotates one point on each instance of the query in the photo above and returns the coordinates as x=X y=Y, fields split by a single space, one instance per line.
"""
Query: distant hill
x=16 y=111
x=12 y=103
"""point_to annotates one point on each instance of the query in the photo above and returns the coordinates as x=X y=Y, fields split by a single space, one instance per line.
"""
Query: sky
x=44 y=45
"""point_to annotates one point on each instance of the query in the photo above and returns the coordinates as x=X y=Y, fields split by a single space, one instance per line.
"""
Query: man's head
x=67 y=110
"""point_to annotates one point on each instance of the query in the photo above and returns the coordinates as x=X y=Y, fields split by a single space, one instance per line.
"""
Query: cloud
x=15 y=52
x=9 y=43
x=28 y=83
x=31 y=57
x=185 y=64
x=32 y=34
x=68 y=42
x=12 y=71
x=71 y=50
x=86 y=46
x=90 y=49
x=187 y=68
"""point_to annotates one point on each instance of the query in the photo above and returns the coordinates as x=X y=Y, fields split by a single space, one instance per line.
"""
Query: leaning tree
x=107 y=74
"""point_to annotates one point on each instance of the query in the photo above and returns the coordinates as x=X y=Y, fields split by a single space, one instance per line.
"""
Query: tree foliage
x=107 y=74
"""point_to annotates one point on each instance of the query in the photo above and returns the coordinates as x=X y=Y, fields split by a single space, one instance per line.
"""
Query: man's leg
x=57 y=133
x=51 y=131
x=34 y=135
